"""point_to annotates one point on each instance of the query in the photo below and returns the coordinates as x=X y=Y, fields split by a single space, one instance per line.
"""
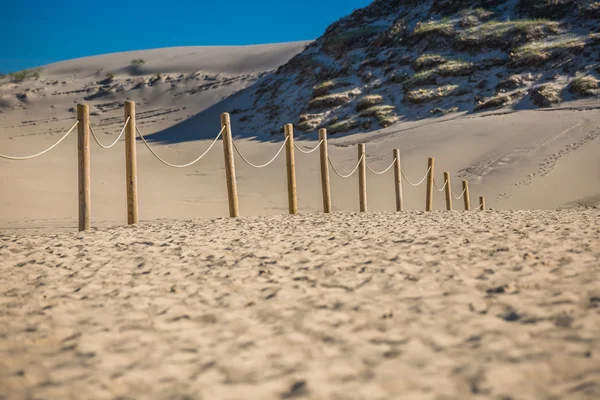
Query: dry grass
x=425 y=95
x=584 y=86
x=492 y=102
x=427 y=61
x=503 y=33
x=324 y=88
x=343 y=126
x=368 y=102
x=382 y=110
x=444 y=28
x=537 y=53
x=331 y=100
x=546 y=95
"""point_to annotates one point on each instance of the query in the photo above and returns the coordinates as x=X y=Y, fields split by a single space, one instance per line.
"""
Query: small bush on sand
x=501 y=34
x=110 y=76
x=438 y=28
x=331 y=100
x=138 y=61
x=427 y=61
x=382 y=110
x=343 y=126
x=21 y=76
x=456 y=68
x=546 y=95
x=324 y=88
x=420 y=79
x=424 y=95
x=368 y=102
x=343 y=42
x=584 y=86
x=537 y=53
x=493 y=102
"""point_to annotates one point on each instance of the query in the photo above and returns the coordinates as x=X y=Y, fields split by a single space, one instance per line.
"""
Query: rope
x=437 y=188
x=262 y=165
x=385 y=170
x=351 y=173
x=175 y=165
x=116 y=140
x=415 y=184
x=309 y=151
x=461 y=195
x=41 y=152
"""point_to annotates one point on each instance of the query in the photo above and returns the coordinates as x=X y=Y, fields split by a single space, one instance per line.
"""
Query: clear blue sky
x=39 y=32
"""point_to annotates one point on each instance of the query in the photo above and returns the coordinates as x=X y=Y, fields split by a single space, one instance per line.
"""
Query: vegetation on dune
x=368 y=102
x=504 y=34
x=428 y=61
x=546 y=95
x=343 y=126
x=138 y=62
x=492 y=102
x=425 y=95
x=342 y=42
x=381 y=110
x=443 y=28
x=331 y=100
x=324 y=88
x=110 y=76
x=585 y=86
x=536 y=53
x=21 y=76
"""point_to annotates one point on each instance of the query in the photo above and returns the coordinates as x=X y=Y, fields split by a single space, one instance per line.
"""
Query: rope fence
x=130 y=129
x=309 y=151
x=13 y=158
x=342 y=175
x=168 y=164
x=261 y=165
x=115 y=141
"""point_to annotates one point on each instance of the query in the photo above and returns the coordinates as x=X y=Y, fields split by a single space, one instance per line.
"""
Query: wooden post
x=131 y=164
x=325 y=171
x=229 y=166
x=466 y=197
x=398 y=181
x=362 y=177
x=83 y=161
x=291 y=169
x=429 y=197
x=448 y=191
x=482 y=203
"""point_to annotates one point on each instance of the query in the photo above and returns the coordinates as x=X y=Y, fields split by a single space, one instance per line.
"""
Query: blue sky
x=39 y=32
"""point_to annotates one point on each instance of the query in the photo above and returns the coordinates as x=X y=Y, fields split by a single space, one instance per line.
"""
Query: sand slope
x=441 y=305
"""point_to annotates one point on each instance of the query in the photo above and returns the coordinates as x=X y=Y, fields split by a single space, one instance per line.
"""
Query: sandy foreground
x=444 y=305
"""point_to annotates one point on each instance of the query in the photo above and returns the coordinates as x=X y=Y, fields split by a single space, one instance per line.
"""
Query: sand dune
x=454 y=305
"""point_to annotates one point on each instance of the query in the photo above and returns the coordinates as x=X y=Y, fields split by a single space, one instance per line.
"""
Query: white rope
x=461 y=195
x=41 y=152
x=385 y=170
x=437 y=188
x=116 y=140
x=309 y=151
x=415 y=184
x=262 y=165
x=351 y=173
x=175 y=165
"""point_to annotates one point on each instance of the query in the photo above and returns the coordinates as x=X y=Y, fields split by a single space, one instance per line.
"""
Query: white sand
x=441 y=305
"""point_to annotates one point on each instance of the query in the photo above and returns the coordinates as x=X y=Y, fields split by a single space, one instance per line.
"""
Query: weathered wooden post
x=482 y=203
x=466 y=197
x=229 y=166
x=398 y=180
x=291 y=169
x=448 y=191
x=325 y=171
x=429 y=196
x=131 y=164
x=83 y=161
x=362 y=177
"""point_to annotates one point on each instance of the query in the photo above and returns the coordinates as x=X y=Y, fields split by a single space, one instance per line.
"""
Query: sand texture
x=498 y=305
